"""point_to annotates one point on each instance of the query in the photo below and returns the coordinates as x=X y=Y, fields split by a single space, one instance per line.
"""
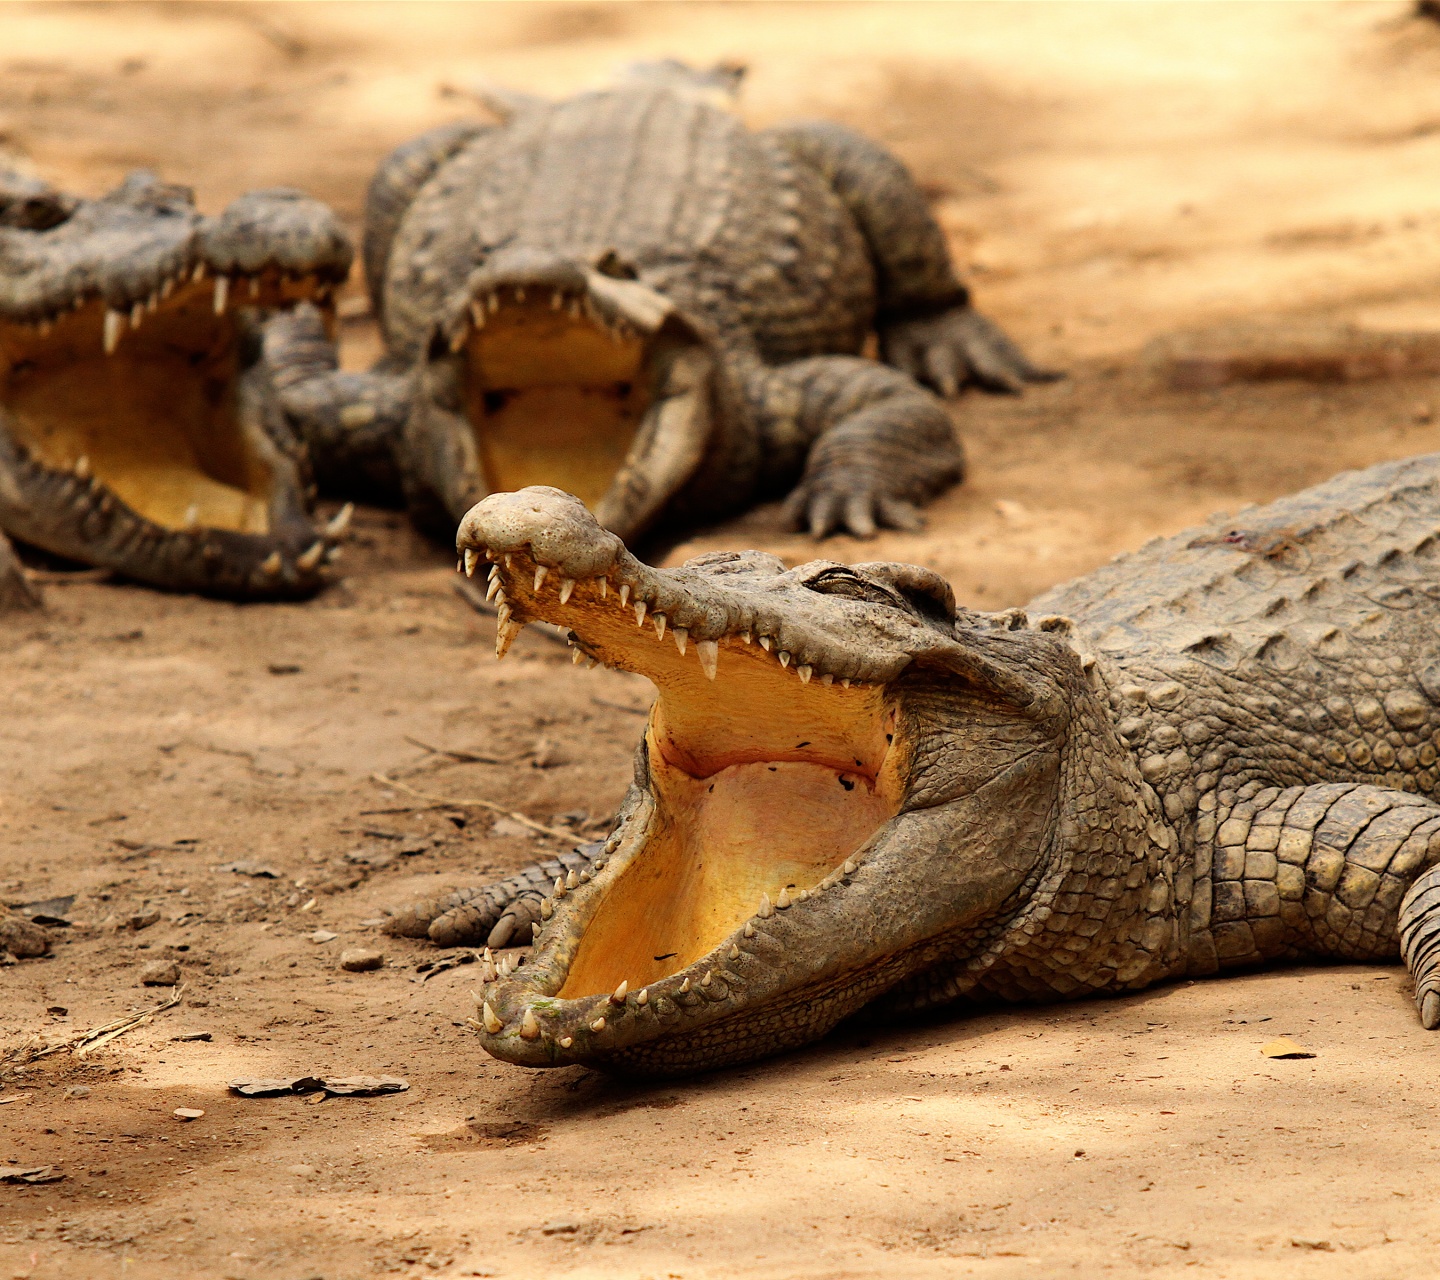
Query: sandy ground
x=1109 y=175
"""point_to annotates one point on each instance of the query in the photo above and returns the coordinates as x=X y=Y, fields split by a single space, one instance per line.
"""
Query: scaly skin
x=1212 y=754
x=141 y=425
x=750 y=267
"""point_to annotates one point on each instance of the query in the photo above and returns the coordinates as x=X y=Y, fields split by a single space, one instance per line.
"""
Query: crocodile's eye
x=842 y=582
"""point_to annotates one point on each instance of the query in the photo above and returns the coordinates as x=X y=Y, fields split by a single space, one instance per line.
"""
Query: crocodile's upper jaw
x=569 y=377
x=762 y=881
x=133 y=421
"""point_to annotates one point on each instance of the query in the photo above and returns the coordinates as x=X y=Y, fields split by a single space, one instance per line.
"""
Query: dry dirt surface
x=1110 y=176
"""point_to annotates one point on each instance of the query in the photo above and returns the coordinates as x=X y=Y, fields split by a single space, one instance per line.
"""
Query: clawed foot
x=949 y=350
x=503 y=914
x=827 y=503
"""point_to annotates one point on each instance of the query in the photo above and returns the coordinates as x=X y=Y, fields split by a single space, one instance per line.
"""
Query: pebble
x=78 y=1091
x=142 y=920
x=187 y=1113
x=323 y=935
x=361 y=960
x=160 y=973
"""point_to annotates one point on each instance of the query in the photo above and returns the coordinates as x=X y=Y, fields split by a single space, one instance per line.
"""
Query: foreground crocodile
x=1216 y=752
x=142 y=427
x=630 y=295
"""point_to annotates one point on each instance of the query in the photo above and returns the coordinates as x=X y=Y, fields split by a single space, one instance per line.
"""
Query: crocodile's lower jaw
x=142 y=415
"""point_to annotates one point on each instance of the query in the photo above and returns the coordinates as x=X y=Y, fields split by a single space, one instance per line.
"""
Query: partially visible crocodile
x=632 y=296
x=1214 y=753
x=141 y=419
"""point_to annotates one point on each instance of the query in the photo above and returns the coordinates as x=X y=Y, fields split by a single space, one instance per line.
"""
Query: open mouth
x=769 y=767
x=149 y=406
x=140 y=425
x=585 y=382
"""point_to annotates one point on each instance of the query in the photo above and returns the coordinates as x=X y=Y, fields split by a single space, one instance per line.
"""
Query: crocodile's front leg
x=926 y=324
x=1342 y=870
x=502 y=914
x=873 y=444
x=349 y=422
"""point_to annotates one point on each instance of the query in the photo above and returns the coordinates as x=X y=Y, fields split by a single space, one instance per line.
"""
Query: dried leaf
x=1284 y=1047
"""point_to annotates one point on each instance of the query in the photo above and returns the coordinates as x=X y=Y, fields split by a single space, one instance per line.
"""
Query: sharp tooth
x=747 y=637
x=222 y=294
x=782 y=899
x=457 y=340
x=765 y=643
x=540 y=572
x=572 y=880
x=827 y=678
x=576 y=658
x=192 y=516
x=477 y=314
x=492 y=1024
x=559 y=890
x=734 y=952
x=310 y=557
x=784 y=657
x=748 y=930
x=598 y=1025
x=709 y=654
x=506 y=559
x=494 y=574
x=640 y=607
x=685 y=986
x=114 y=327
x=642 y=997
x=567 y=585
x=849 y=866
x=591 y=664
x=566 y=1041
x=764 y=910
x=585 y=877
x=618 y=995
x=505 y=635
x=82 y=467
x=492 y=589
x=804 y=673
x=137 y=314
x=659 y=621
x=844 y=683
x=471 y=559
x=547 y=908
x=624 y=594
x=492 y=302
x=681 y=636
x=341 y=522
x=529 y=1026
x=271 y=565
x=604 y=586
x=199 y=273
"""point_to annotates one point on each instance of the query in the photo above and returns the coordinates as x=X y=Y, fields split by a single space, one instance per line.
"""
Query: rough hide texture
x=142 y=427
x=631 y=296
x=1215 y=753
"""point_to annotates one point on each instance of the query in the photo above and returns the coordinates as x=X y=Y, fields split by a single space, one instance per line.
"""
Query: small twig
x=63 y=577
x=464 y=757
x=446 y=803
x=475 y=598
x=83 y=1042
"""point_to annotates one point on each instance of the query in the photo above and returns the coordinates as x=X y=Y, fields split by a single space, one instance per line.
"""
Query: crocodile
x=1215 y=753
x=142 y=423
x=632 y=296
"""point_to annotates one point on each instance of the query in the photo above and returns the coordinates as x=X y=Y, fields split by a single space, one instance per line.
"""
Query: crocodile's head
x=138 y=425
x=574 y=374
x=843 y=783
